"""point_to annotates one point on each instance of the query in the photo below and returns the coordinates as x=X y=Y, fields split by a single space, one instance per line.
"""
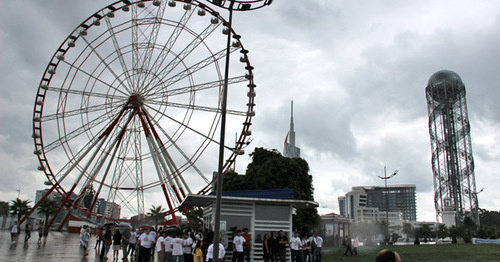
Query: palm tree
x=48 y=207
x=19 y=208
x=157 y=214
x=408 y=230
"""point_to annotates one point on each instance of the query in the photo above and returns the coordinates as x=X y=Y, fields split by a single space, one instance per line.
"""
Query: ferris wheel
x=128 y=109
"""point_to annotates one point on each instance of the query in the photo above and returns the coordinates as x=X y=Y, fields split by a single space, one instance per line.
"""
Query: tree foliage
x=19 y=207
x=270 y=170
x=48 y=207
x=157 y=214
x=442 y=231
x=408 y=230
x=4 y=208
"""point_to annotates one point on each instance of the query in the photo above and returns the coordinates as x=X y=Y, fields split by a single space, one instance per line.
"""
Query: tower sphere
x=445 y=86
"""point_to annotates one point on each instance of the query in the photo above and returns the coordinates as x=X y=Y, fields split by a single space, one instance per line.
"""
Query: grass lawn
x=448 y=252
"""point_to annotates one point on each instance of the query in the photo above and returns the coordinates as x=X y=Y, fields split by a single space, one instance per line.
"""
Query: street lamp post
x=385 y=178
x=231 y=5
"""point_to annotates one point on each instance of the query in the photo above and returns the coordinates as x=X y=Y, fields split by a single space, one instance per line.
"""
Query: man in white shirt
x=295 y=247
x=145 y=243
x=132 y=242
x=176 y=244
x=160 y=246
x=168 y=248
x=238 y=247
x=210 y=252
x=317 y=251
x=187 y=247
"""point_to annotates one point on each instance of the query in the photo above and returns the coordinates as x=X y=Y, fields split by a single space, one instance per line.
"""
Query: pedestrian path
x=59 y=246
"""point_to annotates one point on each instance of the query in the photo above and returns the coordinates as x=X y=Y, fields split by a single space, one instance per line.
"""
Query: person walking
x=27 y=232
x=167 y=243
x=238 y=241
x=145 y=243
x=99 y=239
x=187 y=247
x=132 y=242
x=282 y=243
x=295 y=243
x=176 y=243
x=197 y=253
x=355 y=246
x=85 y=239
x=160 y=246
x=40 y=233
x=266 y=247
x=117 y=244
x=318 y=240
x=108 y=241
x=247 y=245
x=125 y=243
x=348 y=243
x=14 y=231
x=274 y=246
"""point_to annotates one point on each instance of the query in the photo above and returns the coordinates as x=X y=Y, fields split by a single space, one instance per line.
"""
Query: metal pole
x=386 y=199
x=218 y=199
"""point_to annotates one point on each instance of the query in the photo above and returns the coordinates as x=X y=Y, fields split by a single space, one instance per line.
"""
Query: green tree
x=270 y=170
x=408 y=230
x=195 y=216
x=442 y=231
x=157 y=214
x=489 y=224
x=19 y=208
x=48 y=207
x=468 y=229
x=4 y=209
x=454 y=233
x=424 y=232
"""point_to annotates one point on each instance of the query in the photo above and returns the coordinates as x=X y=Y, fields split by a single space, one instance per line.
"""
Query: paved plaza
x=59 y=246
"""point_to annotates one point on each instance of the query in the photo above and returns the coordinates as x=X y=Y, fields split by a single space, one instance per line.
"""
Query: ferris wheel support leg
x=156 y=159
x=168 y=163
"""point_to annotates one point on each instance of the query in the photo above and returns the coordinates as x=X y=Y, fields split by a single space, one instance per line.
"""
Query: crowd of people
x=304 y=247
x=15 y=231
x=174 y=245
x=167 y=245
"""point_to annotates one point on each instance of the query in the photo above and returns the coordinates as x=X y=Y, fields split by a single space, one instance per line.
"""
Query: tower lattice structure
x=452 y=160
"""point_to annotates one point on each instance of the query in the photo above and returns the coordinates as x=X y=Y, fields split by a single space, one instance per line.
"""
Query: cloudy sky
x=355 y=70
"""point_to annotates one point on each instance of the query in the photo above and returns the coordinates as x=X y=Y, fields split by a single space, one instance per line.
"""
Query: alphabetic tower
x=452 y=161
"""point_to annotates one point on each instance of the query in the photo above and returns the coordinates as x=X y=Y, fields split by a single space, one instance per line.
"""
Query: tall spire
x=290 y=150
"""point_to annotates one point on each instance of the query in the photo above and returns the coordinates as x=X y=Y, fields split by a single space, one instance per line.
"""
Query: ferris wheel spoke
x=168 y=92
x=191 y=70
x=75 y=133
x=94 y=144
x=152 y=37
x=118 y=50
x=202 y=108
x=178 y=148
x=198 y=39
x=74 y=112
x=92 y=77
x=171 y=41
x=106 y=65
x=83 y=93
x=184 y=125
x=140 y=19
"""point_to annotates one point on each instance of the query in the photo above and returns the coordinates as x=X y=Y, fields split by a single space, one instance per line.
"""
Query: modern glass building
x=381 y=202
